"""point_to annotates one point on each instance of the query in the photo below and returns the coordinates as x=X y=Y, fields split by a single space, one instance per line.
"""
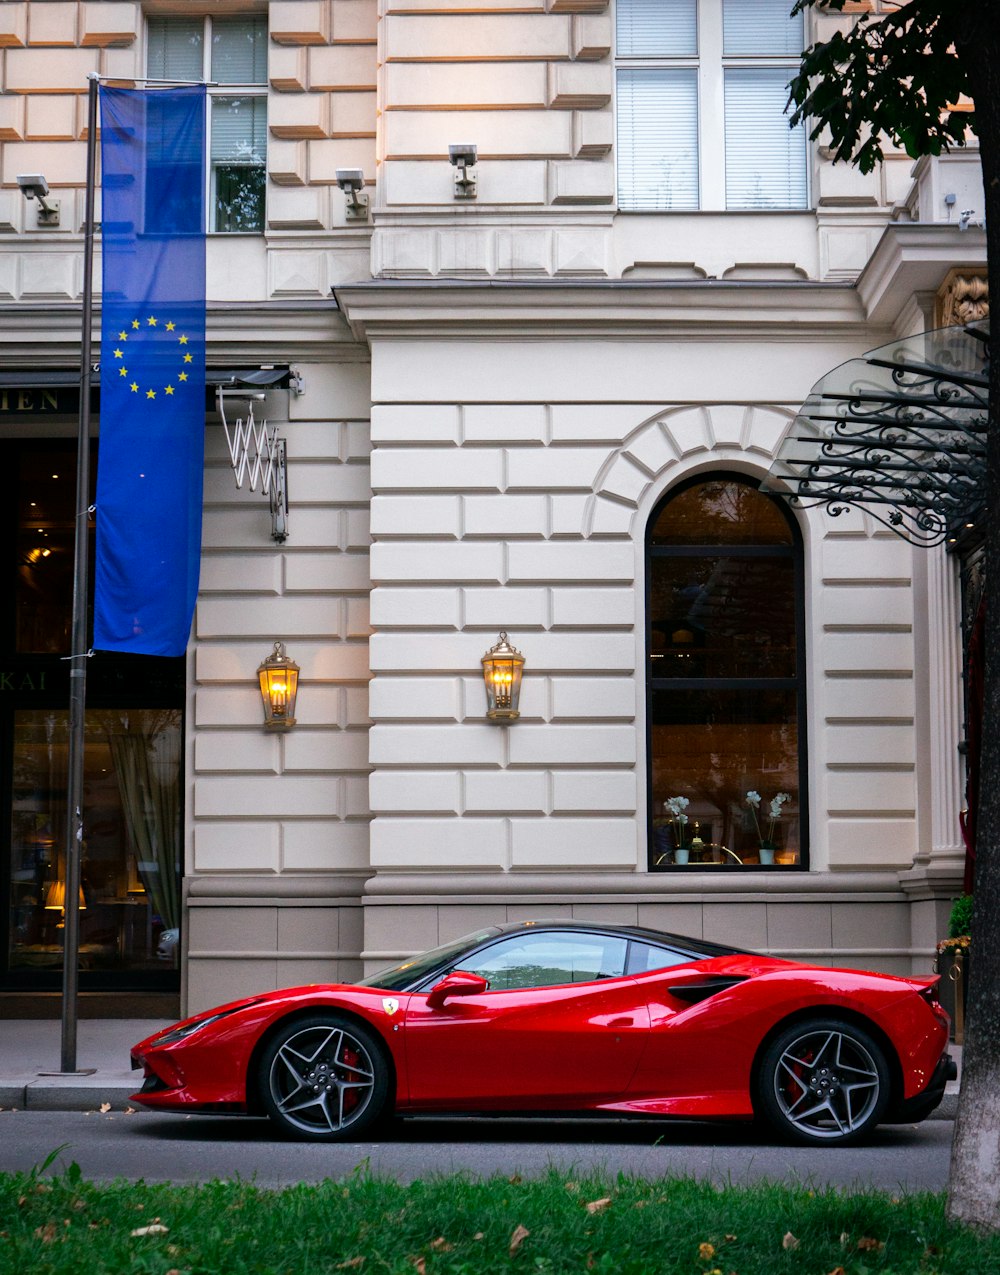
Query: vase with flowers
x=766 y=844
x=671 y=832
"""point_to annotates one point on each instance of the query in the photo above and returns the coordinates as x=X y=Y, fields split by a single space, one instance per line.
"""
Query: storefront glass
x=129 y=900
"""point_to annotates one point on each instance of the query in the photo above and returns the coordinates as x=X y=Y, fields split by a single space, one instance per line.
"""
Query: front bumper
x=919 y=1107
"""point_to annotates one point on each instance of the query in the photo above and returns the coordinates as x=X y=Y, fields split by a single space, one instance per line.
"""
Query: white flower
x=677 y=805
x=777 y=802
x=753 y=798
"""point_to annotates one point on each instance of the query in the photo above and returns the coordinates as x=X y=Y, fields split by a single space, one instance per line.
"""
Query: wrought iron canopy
x=901 y=432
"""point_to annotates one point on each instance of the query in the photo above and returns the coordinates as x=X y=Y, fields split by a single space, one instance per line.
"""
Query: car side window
x=644 y=958
x=548 y=960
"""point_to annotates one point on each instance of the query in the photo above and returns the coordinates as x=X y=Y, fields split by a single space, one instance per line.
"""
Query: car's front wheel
x=324 y=1078
x=823 y=1081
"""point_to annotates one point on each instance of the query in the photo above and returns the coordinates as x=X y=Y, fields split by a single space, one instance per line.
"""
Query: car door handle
x=625 y=1021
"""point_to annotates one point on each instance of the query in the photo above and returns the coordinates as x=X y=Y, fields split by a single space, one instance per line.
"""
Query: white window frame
x=710 y=64
x=217 y=92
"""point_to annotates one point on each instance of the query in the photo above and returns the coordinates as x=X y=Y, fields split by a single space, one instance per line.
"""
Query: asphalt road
x=161 y=1148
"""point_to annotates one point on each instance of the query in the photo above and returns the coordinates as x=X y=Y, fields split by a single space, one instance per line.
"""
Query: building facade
x=529 y=378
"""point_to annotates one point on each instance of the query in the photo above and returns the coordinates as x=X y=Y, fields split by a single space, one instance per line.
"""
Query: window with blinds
x=658 y=139
x=657 y=28
x=229 y=52
x=701 y=94
x=761 y=27
x=765 y=159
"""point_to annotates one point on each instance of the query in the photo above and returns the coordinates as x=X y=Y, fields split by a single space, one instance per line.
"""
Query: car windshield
x=397 y=978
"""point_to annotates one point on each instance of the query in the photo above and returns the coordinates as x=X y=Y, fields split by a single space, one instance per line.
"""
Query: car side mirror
x=457 y=983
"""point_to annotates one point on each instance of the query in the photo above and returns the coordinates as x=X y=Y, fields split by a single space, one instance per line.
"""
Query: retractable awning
x=901 y=432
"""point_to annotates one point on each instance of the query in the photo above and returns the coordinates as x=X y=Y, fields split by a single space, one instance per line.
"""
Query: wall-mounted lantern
x=279 y=684
x=502 y=666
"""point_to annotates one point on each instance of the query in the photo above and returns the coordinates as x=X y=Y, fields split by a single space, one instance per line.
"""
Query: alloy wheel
x=827 y=1083
x=321 y=1078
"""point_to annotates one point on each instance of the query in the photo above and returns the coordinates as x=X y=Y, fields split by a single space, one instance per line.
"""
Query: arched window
x=726 y=691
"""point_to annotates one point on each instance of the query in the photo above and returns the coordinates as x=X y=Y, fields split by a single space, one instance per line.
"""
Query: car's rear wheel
x=824 y=1081
x=324 y=1078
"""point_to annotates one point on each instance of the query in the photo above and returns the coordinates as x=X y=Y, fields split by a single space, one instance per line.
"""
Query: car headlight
x=185 y=1030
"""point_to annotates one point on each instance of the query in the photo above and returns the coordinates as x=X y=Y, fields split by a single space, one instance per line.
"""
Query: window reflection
x=714 y=747
x=720 y=512
x=130 y=898
x=548 y=960
x=724 y=570
x=43 y=589
x=722 y=617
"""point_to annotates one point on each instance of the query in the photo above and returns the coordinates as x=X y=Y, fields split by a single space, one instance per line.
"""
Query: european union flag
x=151 y=456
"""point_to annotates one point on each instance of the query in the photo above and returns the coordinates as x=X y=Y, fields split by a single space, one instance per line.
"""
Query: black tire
x=823 y=1082
x=324 y=1078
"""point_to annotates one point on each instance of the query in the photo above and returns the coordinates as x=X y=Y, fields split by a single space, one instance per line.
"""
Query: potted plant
x=670 y=836
x=766 y=843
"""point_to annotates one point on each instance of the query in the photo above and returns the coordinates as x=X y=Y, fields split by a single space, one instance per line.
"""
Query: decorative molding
x=963 y=297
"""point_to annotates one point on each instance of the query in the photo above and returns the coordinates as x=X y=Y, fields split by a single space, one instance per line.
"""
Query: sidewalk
x=30 y=1046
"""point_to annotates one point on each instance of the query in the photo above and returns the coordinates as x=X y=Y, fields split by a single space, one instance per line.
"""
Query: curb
x=56 y=1094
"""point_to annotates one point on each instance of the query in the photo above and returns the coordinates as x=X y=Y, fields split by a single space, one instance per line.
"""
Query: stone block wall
x=530 y=84
x=278 y=822
x=321 y=116
x=518 y=500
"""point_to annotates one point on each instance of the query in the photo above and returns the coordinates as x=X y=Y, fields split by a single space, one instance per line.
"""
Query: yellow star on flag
x=135 y=323
x=171 y=326
x=151 y=321
x=182 y=339
x=151 y=393
x=119 y=355
x=168 y=389
x=122 y=336
x=134 y=388
x=123 y=371
x=182 y=376
x=188 y=358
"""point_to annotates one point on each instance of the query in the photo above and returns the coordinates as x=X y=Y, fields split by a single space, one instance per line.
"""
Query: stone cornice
x=45 y=335
x=247 y=890
x=633 y=310
x=718 y=885
x=915 y=258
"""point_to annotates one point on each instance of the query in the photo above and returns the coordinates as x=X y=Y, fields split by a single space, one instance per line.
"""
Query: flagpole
x=78 y=638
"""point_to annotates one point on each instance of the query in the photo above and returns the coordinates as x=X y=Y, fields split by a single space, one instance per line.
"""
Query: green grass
x=446 y=1225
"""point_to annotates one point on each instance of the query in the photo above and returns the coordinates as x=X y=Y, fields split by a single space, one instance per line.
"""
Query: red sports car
x=566 y=1017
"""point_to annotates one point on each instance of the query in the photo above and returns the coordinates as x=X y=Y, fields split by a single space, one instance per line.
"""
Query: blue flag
x=151 y=453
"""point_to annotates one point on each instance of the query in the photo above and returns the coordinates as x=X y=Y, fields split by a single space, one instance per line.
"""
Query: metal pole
x=78 y=639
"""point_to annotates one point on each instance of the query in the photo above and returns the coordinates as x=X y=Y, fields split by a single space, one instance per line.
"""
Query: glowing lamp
x=279 y=683
x=502 y=666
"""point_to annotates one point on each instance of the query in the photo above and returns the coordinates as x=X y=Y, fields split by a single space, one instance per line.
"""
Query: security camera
x=351 y=181
x=34 y=186
x=463 y=155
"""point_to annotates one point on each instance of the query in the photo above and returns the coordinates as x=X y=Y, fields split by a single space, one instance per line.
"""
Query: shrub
x=960 y=920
